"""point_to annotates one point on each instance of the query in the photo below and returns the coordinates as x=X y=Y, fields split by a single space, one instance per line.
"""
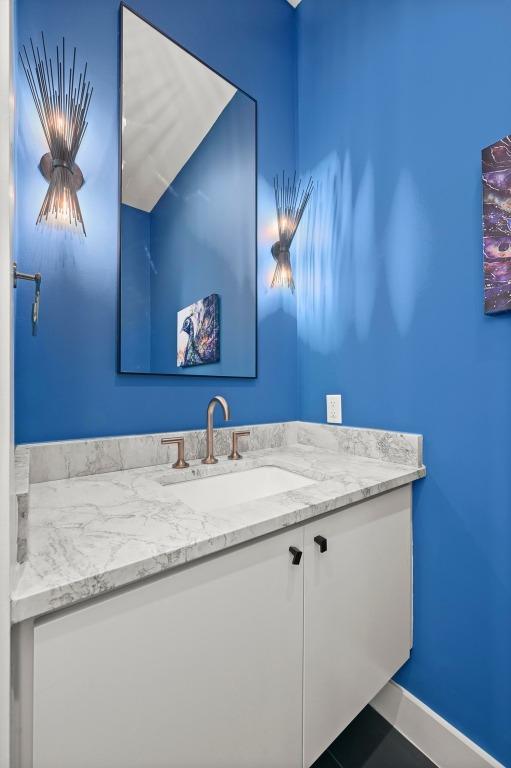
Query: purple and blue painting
x=496 y=160
x=198 y=333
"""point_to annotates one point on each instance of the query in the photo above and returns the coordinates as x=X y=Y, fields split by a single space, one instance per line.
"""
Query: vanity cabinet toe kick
x=257 y=657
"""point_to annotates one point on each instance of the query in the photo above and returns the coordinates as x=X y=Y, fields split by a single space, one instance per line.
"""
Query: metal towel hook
x=36 y=278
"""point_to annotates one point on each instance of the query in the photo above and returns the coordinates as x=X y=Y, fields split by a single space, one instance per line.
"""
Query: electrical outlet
x=334 y=409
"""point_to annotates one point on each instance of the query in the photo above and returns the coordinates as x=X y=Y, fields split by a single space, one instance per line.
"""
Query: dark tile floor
x=371 y=742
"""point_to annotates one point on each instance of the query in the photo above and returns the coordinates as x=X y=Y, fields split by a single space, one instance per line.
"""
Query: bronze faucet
x=235 y=455
x=180 y=442
x=210 y=458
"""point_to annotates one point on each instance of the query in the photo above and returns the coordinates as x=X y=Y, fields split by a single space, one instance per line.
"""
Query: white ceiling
x=170 y=101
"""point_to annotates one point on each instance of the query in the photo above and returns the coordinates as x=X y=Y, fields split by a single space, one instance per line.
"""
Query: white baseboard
x=431 y=734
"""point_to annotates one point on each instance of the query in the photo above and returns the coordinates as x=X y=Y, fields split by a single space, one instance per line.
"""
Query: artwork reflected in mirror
x=187 y=212
x=198 y=333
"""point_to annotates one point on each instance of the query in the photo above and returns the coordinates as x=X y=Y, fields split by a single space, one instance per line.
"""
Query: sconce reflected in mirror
x=290 y=201
x=62 y=102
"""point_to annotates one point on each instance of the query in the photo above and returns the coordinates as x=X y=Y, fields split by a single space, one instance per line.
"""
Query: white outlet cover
x=334 y=409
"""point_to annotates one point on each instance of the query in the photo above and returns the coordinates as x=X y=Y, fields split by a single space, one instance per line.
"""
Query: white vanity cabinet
x=202 y=667
x=357 y=603
x=240 y=660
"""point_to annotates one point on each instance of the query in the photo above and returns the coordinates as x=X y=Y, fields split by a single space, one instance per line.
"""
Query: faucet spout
x=210 y=458
x=225 y=406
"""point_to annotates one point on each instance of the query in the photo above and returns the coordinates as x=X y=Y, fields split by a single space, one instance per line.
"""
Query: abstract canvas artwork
x=496 y=161
x=198 y=333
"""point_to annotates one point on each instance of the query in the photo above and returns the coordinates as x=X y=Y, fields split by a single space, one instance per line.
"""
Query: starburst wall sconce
x=290 y=201
x=62 y=102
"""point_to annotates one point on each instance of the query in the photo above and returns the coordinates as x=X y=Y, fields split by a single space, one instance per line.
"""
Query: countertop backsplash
x=78 y=458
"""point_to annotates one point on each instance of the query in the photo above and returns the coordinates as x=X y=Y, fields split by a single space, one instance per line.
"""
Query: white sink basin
x=209 y=493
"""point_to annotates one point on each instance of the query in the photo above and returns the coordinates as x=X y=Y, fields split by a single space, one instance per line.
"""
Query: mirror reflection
x=188 y=212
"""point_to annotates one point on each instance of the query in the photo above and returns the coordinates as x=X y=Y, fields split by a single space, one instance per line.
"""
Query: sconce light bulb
x=60 y=124
x=283 y=275
x=60 y=207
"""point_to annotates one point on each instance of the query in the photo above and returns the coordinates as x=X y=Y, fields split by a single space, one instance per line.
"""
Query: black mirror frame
x=119 y=139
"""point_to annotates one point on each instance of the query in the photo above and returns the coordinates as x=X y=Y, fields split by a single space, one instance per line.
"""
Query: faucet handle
x=234 y=455
x=180 y=442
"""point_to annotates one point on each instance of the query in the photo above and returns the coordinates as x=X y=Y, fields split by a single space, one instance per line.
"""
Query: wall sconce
x=290 y=202
x=62 y=105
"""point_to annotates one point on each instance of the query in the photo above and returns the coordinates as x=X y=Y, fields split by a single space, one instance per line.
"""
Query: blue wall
x=202 y=242
x=397 y=99
x=69 y=369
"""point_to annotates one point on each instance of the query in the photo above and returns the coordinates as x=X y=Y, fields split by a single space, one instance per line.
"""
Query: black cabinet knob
x=297 y=555
x=322 y=543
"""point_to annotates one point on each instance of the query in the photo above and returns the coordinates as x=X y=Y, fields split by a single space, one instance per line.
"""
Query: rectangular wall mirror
x=188 y=212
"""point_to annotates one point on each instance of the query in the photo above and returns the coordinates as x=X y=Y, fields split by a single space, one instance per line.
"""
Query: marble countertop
x=92 y=534
x=22 y=486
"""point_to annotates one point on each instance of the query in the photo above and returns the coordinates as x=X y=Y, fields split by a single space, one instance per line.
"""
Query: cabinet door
x=202 y=668
x=357 y=612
